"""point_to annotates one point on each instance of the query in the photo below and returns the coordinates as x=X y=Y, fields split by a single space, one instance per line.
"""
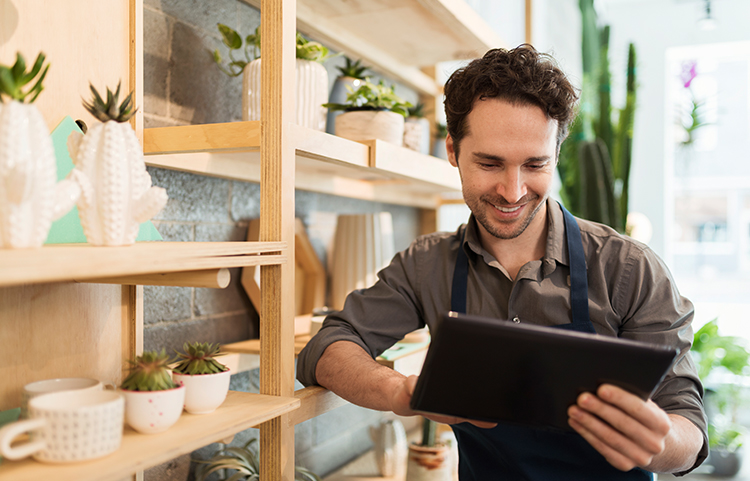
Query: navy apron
x=511 y=452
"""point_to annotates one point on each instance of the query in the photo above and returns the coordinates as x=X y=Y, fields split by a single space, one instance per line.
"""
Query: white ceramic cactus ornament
x=30 y=197
x=116 y=191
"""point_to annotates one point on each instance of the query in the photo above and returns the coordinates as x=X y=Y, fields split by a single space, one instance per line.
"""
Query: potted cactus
x=312 y=77
x=30 y=199
x=372 y=111
x=205 y=379
x=351 y=75
x=116 y=191
x=153 y=402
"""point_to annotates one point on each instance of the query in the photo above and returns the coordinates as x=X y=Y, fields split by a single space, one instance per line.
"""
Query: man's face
x=507 y=161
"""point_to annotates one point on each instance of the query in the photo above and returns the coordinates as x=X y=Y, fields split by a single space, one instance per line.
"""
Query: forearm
x=681 y=447
x=346 y=369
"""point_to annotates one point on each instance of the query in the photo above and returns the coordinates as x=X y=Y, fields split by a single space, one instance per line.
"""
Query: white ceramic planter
x=311 y=93
x=371 y=124
x=417 y=134
x=116 y=191
x=151 y=412
x=30 y=197
x=438 y=149
x=389 y=439
x=203 y=392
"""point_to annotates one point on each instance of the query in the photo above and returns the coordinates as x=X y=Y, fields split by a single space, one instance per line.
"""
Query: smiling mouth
x=507 y=210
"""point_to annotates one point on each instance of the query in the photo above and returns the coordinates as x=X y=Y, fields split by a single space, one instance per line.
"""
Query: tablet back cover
x=493 y=370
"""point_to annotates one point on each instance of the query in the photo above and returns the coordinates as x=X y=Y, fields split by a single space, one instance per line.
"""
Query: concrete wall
x=183 y=86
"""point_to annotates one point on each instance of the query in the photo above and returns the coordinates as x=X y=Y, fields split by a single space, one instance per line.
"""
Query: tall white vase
x=311 y=93
x=116 y=192
x=363 y=244
x=30 y=196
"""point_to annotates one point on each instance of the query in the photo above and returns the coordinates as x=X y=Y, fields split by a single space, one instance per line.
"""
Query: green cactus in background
x=595 y=160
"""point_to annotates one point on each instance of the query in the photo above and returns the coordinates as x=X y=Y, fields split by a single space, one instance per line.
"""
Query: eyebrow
x=497 y=158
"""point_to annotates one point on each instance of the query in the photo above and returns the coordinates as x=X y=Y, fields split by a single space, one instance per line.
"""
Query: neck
x=514 y=253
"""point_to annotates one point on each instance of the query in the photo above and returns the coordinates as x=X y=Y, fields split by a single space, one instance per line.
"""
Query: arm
x=630 y=432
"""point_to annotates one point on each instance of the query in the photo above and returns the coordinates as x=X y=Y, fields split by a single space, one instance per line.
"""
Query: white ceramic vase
x=151 y=412
x=116 y=191
x=311 y=93
x=203 y=392
x=417 y=134
x=371 y=124
x=30 y=196
x=389 y=439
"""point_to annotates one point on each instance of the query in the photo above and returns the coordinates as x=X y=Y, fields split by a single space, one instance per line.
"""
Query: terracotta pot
x=311 y=93
x=371 y=124
x=203 y=392
x=429 y=463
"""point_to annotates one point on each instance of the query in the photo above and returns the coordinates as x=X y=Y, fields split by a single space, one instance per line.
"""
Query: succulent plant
x=14 y=79
x=197 y=358
x=149 y=372
x=353 y=69
x=110 y=110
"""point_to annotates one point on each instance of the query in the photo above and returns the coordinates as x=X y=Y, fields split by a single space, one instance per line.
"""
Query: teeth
x=507 y=209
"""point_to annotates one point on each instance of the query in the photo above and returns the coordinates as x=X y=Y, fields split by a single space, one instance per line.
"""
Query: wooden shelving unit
x=138 y=451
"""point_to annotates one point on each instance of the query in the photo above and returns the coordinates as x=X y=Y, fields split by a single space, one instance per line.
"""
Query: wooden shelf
x=84 y=262
x=240 y=411
x=373 y=170
x=397 y=38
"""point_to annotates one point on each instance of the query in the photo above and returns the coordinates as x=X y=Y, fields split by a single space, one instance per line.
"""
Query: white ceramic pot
x=371 y=124
x=429 y=463
x=438 y=149
x=311 y=93
x=203 y=392
x=116 y=191
x=151 y=412
x=417 y=134
x=389 y=438
x=30 y=197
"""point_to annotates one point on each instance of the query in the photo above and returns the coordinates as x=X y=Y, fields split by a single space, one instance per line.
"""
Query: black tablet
x=493 y=370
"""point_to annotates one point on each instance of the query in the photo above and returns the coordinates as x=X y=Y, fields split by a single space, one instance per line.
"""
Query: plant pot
x=116 y=191
x=339 y=92
x=438 y=149
x=151 y=412
x=725 y=463
x=389 y=439
x=30 y=200
x=371 y=124
x=417 y=134
x=203 y=392
x=311 y=93
x=429 y=463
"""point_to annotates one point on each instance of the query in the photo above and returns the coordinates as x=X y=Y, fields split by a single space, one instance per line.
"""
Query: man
x=507 y=115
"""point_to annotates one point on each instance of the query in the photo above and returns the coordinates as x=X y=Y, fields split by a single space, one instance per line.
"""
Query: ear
x=449 y=148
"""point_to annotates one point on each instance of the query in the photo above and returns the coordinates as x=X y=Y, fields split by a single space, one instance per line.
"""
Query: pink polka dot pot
x=151 y=412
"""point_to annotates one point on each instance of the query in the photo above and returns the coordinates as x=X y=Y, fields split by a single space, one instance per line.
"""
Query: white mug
x=47 y=386
x=67 y=426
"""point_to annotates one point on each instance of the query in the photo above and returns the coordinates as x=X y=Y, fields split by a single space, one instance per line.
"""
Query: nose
x=512 y=186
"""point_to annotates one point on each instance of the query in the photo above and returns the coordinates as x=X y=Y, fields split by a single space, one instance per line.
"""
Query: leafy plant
x=109 y=109
x=716 y=353
x=442 y=131
x=243 y=463
x=250 y=47
x=198 y=358
x=353 y=69
x=691 y=119
x=370 y=96
x=14 y=79
x=149 y=372
x=417 y=111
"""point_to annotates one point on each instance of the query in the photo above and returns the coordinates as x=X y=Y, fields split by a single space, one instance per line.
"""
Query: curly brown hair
x=520 y=75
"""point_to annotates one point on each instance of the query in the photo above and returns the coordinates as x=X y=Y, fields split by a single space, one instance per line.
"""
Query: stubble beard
x=481 y=214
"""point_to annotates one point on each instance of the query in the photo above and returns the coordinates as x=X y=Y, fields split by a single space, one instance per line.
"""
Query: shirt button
x=516 y=320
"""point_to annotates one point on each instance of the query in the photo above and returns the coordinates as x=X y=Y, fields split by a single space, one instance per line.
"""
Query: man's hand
x=402 y=397
x=630 y=432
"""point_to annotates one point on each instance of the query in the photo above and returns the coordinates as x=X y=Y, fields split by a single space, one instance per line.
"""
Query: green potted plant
x=312 y=77
x=28 y=168
x=430 y=460
x=350 y=76
x=153 y=402
x=417 y=130
x=723 y=362
x=372 y=111
x=242 y=463
x=205 y=379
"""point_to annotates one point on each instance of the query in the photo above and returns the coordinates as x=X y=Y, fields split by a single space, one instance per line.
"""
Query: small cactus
x=149 y=372
x=197 y=358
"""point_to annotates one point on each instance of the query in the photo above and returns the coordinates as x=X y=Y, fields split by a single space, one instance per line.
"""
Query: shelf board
x=84 y=262
x=324 y=163
x=138 y=452
x=390 y=35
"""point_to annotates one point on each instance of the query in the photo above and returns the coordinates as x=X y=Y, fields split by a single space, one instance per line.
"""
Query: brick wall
x=183 y=86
